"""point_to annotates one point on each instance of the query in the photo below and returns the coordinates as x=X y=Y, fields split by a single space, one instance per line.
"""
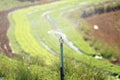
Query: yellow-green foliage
x=10 y=69
x=30 y=28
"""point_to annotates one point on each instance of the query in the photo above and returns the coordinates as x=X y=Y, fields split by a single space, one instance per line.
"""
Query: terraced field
x=34 y=35
x=35 y=31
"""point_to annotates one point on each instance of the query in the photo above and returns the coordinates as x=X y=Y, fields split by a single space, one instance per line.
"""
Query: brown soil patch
x=4 y=25
x=4 y=42
x=109 y=27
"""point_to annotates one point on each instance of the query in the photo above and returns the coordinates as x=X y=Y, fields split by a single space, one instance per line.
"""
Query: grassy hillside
x=32 y=34
x=34 y=69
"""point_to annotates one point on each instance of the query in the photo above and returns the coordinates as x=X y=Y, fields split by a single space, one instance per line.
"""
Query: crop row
x=27 y=41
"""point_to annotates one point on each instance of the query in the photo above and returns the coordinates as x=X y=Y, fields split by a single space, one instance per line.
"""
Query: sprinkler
x=62 y=59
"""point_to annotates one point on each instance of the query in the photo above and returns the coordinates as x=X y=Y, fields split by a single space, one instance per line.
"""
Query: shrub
x=80 y=71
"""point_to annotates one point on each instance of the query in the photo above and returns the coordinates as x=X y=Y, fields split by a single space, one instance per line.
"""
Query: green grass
x=5 y=4
x=11 y=69
x=30 y=29
x=35 y=70
x=27 y=41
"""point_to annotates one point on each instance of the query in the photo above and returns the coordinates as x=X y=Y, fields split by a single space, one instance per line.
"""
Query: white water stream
x=68 y=42
x=58 y=32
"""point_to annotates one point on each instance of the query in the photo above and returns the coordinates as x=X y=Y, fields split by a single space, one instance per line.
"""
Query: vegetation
x=30 y=70
x=4 y=5
x=32 y=28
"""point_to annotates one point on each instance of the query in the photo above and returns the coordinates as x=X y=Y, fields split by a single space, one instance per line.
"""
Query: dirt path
x=4 y=25
x=4 y=42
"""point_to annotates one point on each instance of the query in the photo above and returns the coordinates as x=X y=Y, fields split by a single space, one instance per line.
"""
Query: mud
x=4 y=24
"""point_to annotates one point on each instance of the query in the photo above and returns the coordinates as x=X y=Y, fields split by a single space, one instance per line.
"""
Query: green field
x=34 y=33
x=4 y=5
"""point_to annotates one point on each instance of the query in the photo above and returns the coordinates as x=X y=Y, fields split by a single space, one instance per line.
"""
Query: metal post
x=62 y=59
x=1 y=78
